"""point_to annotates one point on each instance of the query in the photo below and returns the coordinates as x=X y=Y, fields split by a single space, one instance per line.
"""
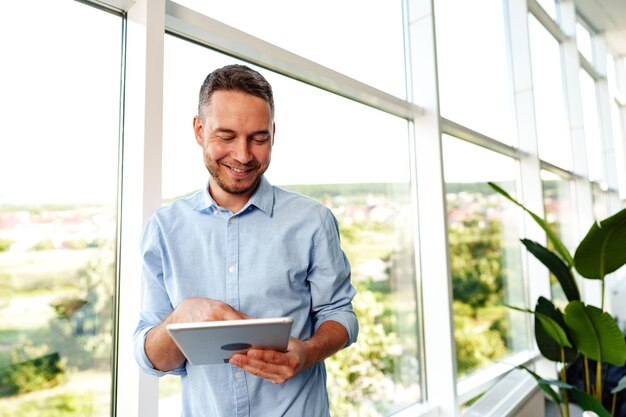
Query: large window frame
x=147 y=24
x=147 y=21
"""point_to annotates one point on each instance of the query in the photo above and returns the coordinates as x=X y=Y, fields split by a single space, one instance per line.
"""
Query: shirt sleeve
x=329 y=279
x=156 y=304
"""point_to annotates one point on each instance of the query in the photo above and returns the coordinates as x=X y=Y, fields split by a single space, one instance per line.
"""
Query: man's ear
x=273 y=132
x=198 y=130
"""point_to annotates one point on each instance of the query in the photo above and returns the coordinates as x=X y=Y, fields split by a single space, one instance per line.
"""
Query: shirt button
x=233 y=221
x=231 y=269
x=237 y=375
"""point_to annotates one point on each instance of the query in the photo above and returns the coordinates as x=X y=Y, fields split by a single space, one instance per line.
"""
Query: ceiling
x=609 y=17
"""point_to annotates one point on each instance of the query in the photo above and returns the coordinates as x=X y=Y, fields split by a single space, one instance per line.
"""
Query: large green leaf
x=552 y=236
x=621 y=385
x=589 y=403
x=558 y=268
x=552 y=328
x=595 y=334
x=545 y=385
x=548 y=347
x=603 y=250
x=585 y=401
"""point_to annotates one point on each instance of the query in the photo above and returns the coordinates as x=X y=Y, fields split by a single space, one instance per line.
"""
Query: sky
x=60 y=95
x=59 y=103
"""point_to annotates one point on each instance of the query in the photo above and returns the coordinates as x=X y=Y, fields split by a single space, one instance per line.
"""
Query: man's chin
x=239 y=189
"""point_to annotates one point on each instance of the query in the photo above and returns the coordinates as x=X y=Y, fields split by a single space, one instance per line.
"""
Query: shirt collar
x=262 y=198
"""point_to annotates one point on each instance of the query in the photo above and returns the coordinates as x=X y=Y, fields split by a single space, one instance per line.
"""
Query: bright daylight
x=469 y=157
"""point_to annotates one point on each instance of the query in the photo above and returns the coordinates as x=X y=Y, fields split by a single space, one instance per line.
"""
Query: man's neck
x=229 y=201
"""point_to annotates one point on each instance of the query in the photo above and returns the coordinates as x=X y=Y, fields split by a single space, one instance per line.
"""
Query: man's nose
x=241 y=153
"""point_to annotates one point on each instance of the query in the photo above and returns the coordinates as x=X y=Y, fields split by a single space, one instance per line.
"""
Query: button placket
x=232 y=262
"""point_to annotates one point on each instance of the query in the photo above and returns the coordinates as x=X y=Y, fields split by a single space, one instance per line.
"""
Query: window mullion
x=141 y=189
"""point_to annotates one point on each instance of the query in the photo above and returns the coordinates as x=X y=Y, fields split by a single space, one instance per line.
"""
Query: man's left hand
x=274 y=366
x=280 y=367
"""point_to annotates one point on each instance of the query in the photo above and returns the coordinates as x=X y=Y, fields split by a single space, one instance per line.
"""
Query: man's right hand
x=194 y=309
x=161 y=349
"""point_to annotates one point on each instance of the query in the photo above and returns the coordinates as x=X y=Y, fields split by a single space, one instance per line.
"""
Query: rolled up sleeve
x=156 y=305
x=329 y=279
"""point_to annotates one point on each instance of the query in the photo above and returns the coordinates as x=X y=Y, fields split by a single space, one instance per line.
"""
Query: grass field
x=30 y=283
x=40 y=271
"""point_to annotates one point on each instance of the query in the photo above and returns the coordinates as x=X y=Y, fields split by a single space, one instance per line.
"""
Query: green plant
x=579 y=329
x=65 y=404
x=357 y=375
x=32 y=375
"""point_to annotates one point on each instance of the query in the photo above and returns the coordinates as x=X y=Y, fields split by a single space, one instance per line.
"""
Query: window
x=58 y=164
x=186 y=67
x=485 y=256
x=558 y=200
x=600 y=202
x=552 y=124
x=550 y=7
x=473 y=67
x=318 y=135
x=593 y=134
x=60 y=100
x=619 y=140
x=371 y=50
x=583 y=41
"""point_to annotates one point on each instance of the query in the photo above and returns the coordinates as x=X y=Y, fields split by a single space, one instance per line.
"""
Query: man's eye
x=226 y=138
x=261 y=139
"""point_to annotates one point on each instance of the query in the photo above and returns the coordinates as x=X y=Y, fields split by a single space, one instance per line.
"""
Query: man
x=243 y=248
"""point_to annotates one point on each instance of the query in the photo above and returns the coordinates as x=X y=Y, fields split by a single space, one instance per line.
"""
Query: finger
x=232 y=314
x=276 y=378
x=271 y=356
x=275 y=373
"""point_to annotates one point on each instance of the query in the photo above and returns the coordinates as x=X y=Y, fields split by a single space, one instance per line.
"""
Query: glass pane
x=186 y=65
x=474 y=81
x=619 y=144
x=485 y=256
x=559 y=213
x=583 y=42
x=550 y=7
x=371 y=50
x=550 y=112
x=323 y=150
x=57 y=207
x=593 y=135
x=600 y=202
x=170 y=396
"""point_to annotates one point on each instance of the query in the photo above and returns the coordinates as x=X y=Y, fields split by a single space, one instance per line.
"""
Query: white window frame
x=147 y=23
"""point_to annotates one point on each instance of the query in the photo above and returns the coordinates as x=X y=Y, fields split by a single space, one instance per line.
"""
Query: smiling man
x=243 y=248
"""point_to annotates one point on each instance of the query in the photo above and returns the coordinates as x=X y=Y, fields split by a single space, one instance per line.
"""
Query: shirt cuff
x=348 y=320
x=142 y=358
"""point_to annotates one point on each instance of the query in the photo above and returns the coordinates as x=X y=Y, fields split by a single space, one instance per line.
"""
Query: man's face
x=237 y=135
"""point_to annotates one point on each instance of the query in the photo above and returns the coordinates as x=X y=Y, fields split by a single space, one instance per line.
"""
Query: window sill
x=482 y=380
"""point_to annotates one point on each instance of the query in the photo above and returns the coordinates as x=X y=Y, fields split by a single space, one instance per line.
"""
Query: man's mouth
x=240 y=170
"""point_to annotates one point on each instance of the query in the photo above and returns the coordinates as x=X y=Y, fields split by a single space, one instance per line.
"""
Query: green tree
x=476 y=343
x=358 y=379
x=475 y=256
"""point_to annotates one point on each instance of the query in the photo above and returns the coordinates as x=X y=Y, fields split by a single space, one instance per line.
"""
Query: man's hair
x=235 y=78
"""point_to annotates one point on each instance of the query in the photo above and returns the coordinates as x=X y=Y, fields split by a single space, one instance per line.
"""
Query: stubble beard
x=214 y=169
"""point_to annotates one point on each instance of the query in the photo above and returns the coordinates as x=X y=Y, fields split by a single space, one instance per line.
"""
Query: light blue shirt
x=279 y=256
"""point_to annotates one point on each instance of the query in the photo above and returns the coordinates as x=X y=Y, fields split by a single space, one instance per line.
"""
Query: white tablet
x=214 y=342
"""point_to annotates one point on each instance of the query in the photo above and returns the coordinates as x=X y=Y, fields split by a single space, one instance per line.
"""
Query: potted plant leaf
x=581 y=335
